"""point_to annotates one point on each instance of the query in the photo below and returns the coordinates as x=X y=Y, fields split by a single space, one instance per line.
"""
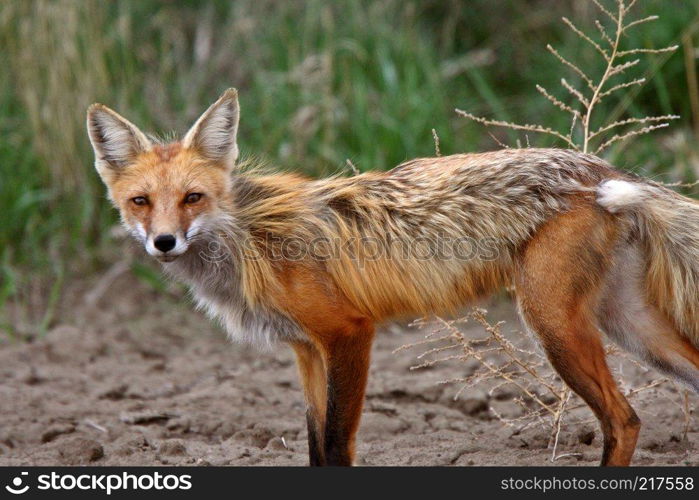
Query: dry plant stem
x=621 y=137
x=589 y=40
x=437 y=151
x=499 y=142
x=576 y=93
x=353 y=168
x=559 y=104
x=629 y=121
x=95 y=425
x=492 y=370
x=603 y=32
x=599 y=89
x=611 y=70
x=508 y=348
x=515 y=126
x=687 y=411
x=572 y=66
x=557 y=424
x=681 y=184
x=603 y=9
x=495 y=369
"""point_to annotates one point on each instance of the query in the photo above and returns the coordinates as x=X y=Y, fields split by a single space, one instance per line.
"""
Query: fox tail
x=667 y=225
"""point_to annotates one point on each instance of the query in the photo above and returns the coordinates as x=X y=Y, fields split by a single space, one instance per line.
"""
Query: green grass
x=320 y=82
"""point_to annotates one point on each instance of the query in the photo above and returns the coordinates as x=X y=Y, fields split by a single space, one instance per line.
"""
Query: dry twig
x=586 y=101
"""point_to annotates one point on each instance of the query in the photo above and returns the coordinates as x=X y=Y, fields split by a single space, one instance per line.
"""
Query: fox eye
x=140 y=201
x=193 y=197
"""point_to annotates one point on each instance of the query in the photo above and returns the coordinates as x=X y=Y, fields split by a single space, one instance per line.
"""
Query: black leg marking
x=315 y=450
x=336 y=442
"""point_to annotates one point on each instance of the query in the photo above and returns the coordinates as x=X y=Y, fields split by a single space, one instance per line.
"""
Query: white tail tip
x=616 y=195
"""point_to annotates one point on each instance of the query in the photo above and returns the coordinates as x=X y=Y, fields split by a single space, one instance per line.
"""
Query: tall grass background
x=320 y=82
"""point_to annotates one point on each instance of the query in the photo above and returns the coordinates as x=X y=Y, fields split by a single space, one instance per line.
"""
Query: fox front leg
x=334 y=378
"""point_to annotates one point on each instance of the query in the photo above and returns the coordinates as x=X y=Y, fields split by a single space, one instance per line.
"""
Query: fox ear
x=115 y=140
x=214 y=134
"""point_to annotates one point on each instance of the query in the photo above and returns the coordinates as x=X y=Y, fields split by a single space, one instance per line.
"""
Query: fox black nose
x=165 y=242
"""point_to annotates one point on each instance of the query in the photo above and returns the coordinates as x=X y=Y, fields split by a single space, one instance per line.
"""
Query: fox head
x=167 y=194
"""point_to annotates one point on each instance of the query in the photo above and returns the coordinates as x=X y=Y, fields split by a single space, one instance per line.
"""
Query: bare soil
x=139 y=378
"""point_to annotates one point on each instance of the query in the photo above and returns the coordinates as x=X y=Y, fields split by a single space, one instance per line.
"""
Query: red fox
x=318 y=263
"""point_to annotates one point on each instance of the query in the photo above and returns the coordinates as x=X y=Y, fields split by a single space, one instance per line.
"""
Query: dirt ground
x=139 y=378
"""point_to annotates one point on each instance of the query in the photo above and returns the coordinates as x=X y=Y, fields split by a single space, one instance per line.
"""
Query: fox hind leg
x=558 y=282
x=575 y=350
